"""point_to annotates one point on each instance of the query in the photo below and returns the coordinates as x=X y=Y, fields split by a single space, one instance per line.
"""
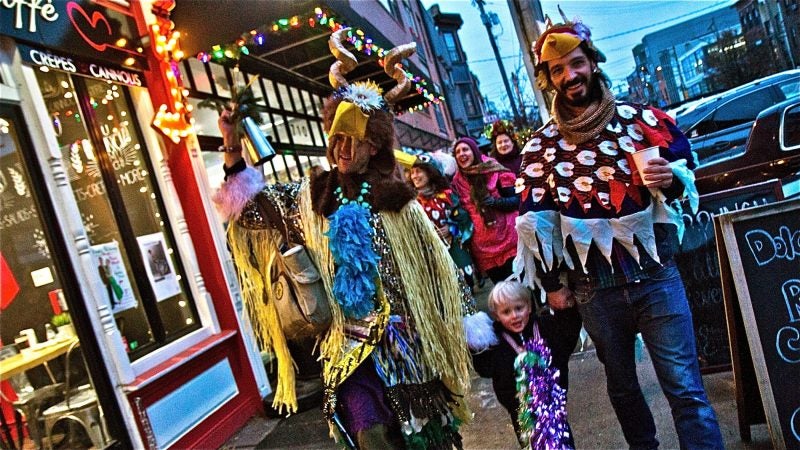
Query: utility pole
x=488 y=24
x=520 y=100
x=525 y=14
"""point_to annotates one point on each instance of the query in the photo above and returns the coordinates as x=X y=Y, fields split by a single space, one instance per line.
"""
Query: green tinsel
x=243 y=103
x=435 y=435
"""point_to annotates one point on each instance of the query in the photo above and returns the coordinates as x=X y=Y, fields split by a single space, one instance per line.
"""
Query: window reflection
x=125 y=221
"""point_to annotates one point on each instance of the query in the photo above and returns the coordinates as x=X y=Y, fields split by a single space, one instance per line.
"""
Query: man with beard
x=591 y=233
x=394 y=359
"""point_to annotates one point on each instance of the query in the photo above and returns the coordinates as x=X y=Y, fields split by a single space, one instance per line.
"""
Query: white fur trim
x=480 y=332
x=234 y=193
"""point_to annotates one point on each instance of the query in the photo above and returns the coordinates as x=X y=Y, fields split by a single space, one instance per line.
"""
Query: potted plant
x=63 y=324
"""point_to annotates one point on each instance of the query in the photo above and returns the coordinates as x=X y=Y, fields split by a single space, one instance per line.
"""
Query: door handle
x=721 y=145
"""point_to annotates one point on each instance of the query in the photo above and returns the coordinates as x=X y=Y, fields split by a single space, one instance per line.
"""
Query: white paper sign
x=111 y=267
x=159 y=266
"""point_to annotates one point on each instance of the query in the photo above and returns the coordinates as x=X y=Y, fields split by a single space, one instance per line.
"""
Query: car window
x=790 y=88
x=791 y=127
x=743 y=109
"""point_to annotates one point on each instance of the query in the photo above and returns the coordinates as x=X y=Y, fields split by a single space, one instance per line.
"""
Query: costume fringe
x=256 y=285
x=234 y=194
x=434 y=298
x=332 y=347
x=479 y=331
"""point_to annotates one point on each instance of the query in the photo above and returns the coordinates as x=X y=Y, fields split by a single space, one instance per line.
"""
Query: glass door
x=39 y=311
x=113 y=181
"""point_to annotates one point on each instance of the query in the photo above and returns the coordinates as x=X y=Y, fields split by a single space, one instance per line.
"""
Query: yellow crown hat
x=556 y=45
x=557 y=41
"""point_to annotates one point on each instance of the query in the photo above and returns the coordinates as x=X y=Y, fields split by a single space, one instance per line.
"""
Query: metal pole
x=525 y=14
x=488 y=24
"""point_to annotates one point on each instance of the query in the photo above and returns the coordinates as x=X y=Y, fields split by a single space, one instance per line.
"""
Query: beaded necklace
x=360 y=200
x=350 y=242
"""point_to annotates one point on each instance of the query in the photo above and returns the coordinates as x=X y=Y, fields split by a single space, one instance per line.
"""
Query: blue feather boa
x=350 y=241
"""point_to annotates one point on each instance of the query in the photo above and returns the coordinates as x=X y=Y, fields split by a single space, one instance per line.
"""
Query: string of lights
x=223 y=53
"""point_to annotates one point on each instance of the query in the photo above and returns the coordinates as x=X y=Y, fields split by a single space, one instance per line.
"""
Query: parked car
x=772 y=151
x=719 y=125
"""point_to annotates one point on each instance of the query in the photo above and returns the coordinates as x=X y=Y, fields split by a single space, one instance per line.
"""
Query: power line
x=659 y=23
x=490 y=59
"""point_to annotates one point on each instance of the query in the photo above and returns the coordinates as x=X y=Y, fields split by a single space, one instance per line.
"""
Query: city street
x=590 y=413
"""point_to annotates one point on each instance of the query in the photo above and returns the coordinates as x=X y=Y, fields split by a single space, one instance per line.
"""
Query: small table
x=29 y=359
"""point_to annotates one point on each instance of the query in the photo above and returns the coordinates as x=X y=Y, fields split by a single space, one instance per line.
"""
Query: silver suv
x=718 y=126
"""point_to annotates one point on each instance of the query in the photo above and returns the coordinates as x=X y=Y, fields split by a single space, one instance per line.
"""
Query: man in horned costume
x=590 y=232
x=395 y=360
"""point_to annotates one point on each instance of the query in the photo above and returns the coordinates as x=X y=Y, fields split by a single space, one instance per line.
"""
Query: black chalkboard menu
x=699 y=267
x=762 y=246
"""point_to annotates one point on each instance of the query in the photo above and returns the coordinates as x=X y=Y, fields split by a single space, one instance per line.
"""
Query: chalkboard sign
x=699 y=267
x=763 y=249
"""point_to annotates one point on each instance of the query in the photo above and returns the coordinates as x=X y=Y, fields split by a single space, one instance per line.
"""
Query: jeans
x=656 y=307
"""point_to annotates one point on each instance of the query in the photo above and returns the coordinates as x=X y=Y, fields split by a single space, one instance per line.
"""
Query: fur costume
x=411 y=331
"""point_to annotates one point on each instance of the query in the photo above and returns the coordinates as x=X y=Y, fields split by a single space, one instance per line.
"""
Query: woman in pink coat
x=487 y=191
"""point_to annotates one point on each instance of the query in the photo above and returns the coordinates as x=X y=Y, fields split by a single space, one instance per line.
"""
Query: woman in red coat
x=487 y=192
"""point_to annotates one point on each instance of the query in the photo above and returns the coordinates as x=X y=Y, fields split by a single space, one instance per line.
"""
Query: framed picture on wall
x=111 y=268
x=159 y=266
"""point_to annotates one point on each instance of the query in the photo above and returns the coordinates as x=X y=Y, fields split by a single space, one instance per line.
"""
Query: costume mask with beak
x=348 y=146
x=359 y=123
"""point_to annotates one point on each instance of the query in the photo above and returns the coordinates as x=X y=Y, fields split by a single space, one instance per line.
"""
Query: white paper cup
x=641 y=158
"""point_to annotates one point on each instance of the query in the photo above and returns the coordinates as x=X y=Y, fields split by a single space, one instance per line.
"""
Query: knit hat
x=472 y=146
x=429 y=161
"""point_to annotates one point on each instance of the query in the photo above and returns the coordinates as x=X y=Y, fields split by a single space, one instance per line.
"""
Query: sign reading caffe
x=87 y=28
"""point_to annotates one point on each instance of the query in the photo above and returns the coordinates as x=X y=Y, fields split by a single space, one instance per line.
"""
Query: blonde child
x=525 y=344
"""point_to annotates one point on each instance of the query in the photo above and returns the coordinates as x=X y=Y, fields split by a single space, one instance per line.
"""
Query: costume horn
x=345 y=61
x=390 y=61
x=563 y=16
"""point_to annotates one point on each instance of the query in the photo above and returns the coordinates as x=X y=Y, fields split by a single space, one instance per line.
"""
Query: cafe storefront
x=112 y=331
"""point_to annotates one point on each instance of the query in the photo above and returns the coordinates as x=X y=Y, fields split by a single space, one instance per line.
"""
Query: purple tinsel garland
x=543 y=412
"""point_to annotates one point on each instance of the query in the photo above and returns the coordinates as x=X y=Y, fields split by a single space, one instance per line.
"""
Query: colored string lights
x=362 y=43
x=173 y=120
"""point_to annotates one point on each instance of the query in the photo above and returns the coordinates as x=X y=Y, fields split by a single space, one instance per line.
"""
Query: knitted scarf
x=476 y=177
x=588 y=124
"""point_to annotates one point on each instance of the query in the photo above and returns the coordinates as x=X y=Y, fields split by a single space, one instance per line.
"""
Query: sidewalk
x=590 y=413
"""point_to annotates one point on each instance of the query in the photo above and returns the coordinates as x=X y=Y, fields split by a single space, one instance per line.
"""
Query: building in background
x=671 y=63
x=772 y=24
x=716 y=51
x=461 y=86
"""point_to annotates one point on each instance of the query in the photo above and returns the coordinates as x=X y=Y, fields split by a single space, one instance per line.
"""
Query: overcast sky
x=617 y=26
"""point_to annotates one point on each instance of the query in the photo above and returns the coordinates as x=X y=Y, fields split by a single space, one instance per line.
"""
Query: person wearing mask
x=395 y=364
x=486 y=189
x=595 y=235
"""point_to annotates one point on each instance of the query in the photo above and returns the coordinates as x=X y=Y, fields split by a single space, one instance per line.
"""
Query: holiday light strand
x=319 y=19
x=171 y=119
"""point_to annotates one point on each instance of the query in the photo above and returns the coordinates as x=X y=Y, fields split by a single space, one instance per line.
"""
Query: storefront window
x=269 y=92
x=31 y=289
x=300 y=132
x=285 y=100
x=39 y=344
x=111 y=177
x=220 y=80
x=199 y=75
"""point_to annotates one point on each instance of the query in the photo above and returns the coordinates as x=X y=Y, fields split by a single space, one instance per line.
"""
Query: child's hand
x=561 y=299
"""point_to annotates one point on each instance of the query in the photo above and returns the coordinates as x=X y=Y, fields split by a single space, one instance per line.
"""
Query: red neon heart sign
x=93 y=21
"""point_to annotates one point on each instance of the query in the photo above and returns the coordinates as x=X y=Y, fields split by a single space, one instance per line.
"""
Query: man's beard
x=593 y=93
